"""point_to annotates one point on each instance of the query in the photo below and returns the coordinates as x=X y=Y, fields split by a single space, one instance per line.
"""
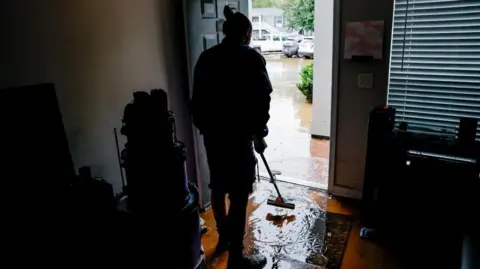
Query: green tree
x=300 y=14
x=262 y=3
x=268 y=3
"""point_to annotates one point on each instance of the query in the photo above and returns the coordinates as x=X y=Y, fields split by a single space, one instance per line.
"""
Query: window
x=255 y=19
x=276 y=38
x=278 y=21
x=265 y=37
x=434 y=65
x=255 y=34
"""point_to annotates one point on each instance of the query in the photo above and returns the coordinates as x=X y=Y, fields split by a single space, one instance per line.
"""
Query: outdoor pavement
x=291 y=149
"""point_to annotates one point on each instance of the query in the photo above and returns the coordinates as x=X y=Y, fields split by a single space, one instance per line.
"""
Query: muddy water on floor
x=283 y=235
x=291 y=148
x=288 y=238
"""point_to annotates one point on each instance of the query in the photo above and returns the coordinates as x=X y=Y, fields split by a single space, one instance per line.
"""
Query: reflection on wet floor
x=291 y=148
x=306 y=237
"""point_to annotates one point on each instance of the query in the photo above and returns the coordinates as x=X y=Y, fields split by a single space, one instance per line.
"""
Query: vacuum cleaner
x=280 y=201
x=155 y=165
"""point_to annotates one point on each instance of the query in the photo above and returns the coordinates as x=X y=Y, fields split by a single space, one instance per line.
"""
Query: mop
x=279 y=201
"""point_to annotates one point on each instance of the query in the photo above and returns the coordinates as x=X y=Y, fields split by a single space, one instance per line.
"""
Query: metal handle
x=272 y=177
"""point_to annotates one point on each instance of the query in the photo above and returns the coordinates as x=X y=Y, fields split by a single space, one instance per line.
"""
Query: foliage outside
x=300 y=14
x=306 y=85
x=269 y=3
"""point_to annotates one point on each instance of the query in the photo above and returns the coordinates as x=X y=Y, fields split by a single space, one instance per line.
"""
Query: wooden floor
x=359 y=253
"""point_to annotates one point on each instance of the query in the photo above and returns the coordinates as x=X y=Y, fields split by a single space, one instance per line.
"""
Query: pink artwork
x=364 y=39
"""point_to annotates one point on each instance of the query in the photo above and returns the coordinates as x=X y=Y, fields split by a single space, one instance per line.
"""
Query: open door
x=204 y=19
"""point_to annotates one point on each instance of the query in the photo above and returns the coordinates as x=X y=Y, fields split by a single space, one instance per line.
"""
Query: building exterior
x=269 y=20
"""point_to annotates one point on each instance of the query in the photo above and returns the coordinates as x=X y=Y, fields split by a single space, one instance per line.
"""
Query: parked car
x=306 y=48
x=296 y=37
x=269 y=43
x=290 y=47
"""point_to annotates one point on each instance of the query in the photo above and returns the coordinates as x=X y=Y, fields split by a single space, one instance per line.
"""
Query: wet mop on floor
x=306 y=237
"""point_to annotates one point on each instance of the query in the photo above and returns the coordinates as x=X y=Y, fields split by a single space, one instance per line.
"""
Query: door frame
x=334 y=108
x=198 y=177
x=332 y=188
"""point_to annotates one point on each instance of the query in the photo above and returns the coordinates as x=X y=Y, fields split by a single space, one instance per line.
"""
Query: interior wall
x=97 y=53
x=354 y=104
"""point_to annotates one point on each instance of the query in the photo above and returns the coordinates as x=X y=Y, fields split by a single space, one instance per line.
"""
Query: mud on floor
x=306 y=237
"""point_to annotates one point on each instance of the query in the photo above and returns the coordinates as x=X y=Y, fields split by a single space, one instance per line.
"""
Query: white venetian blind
x=435 y=63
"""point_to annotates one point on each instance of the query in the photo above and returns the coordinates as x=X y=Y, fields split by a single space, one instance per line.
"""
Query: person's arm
x=262 y=88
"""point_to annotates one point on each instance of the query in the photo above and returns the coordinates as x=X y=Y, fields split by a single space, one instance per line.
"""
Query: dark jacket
x=231 y=91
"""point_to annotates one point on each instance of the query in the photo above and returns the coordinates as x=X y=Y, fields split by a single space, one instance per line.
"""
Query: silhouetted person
x=230 y=104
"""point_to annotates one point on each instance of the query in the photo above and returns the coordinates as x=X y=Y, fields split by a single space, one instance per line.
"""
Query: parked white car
x=306 y=47
x=269 y=43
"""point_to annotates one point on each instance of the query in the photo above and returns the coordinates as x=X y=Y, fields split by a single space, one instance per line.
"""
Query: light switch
x=365 y=81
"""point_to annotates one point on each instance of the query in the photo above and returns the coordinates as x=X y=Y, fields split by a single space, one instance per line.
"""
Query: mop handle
x=272 y=178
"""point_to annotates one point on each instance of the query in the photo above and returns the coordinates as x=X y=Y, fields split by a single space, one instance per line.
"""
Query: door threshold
x=296 y=181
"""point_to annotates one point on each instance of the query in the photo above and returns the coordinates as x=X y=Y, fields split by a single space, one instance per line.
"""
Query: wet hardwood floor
x=359 y=253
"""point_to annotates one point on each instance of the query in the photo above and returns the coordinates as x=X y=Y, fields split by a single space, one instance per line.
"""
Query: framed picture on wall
x=209 y=40
x=364 y=39
x=208 y=9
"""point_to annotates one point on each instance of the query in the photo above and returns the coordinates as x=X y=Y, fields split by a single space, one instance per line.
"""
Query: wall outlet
x=365 y=81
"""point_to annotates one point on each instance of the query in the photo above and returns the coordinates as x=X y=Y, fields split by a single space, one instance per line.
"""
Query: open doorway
x=299 y=138
x=292 y=151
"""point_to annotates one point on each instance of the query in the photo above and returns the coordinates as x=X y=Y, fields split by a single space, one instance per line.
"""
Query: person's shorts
x=232 y=165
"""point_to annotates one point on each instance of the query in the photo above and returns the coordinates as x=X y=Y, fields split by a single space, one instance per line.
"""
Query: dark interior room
x=134 y=130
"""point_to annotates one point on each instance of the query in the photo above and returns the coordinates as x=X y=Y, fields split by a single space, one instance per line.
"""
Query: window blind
x=435 y=63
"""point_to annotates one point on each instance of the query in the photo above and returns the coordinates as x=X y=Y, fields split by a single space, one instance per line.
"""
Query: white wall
x=96 y=53
x=322 y=73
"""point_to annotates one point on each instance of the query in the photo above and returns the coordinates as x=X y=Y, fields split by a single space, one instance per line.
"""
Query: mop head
x=284 y=203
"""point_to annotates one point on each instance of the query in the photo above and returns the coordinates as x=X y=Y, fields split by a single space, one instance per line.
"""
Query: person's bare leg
x=219 y=208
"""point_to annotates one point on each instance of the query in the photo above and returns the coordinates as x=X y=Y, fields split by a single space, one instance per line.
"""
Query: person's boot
x=252 y=261
x=222 y=244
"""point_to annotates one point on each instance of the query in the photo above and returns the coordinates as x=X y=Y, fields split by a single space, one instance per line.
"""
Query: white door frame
x=334 y=108
x=332 y=188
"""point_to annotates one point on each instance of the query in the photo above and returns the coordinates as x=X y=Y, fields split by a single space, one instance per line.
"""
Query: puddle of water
x=291 y=149
x=277 y=230
x=303 y=238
